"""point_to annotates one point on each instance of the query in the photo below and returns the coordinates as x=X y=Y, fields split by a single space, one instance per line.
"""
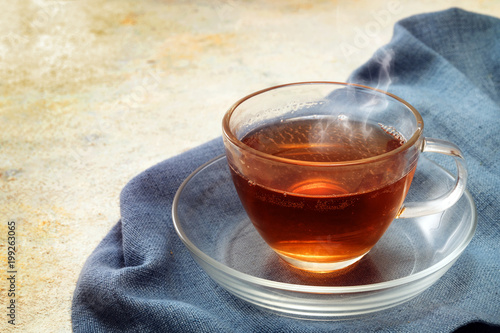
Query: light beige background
x=94 y=92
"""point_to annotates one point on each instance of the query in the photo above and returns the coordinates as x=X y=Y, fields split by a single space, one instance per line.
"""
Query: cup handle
x=416 y=209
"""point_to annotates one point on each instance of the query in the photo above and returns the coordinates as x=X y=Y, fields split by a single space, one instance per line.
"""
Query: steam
x=380 y=69
x=347 y=105
x=384 y=59
x=377 y=103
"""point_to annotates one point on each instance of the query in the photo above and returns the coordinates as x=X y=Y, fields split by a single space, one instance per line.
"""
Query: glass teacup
x=323 y=168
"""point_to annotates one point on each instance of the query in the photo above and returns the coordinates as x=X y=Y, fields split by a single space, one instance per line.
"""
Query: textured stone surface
x=94 y=92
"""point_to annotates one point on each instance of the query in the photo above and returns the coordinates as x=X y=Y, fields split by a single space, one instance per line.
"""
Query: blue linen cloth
x=141 y=278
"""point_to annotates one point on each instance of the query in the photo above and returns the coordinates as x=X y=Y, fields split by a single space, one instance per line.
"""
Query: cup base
x=319 y=267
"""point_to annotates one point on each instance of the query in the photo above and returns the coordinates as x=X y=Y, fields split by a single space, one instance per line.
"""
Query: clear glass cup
x=323 y=168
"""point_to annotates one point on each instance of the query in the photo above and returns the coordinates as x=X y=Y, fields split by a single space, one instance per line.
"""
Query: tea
x=322 y=219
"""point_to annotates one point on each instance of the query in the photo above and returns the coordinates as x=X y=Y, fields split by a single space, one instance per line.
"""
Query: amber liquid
x=320 y=220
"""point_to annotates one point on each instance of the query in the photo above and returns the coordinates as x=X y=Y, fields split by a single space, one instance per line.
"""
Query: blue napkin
x=141 y=278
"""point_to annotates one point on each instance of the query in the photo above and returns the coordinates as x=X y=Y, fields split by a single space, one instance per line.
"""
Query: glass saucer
x=410 y=257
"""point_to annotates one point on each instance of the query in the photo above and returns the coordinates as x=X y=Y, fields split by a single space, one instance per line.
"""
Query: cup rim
x=228 y=134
